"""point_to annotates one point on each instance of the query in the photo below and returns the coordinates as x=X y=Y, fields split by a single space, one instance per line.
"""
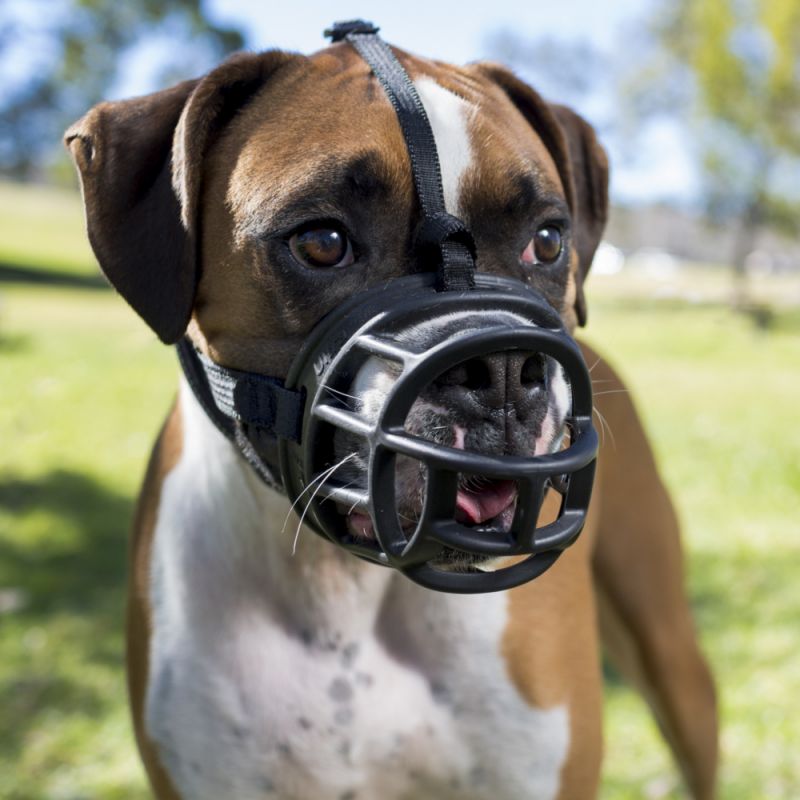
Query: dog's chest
x=379 y=689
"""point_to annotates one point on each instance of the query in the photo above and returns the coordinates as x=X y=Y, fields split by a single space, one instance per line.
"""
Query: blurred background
x=695 y=295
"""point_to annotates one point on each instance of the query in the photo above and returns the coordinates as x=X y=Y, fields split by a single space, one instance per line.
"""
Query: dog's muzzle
x=295 y=429
x=375 y=325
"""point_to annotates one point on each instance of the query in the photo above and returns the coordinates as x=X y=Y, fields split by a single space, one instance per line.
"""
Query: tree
x=59 y=58
x=730 y=69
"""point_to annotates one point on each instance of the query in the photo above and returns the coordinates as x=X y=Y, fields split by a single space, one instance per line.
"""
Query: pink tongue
x=477 y=507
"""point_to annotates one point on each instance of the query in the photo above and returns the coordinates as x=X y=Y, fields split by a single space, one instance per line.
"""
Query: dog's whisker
x=595 y=364
x=350 y=510
x=611 y=391
x=605 y=426
x=321 y=477
x=320 y=483
x=601 y=420
x=341 y=393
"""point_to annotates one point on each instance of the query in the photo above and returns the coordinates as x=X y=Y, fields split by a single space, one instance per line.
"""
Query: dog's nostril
x=473 y=374
x=534 y=372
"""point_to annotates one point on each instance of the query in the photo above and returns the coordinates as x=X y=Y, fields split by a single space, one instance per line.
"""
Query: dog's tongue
x=476 y=507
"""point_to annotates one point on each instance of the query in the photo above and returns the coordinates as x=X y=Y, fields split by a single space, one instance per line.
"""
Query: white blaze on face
x=373 y=382
x=449 y=116
x=558 y=403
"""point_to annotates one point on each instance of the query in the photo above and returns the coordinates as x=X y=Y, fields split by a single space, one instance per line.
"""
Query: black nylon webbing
x=254 y=399
x=447 y=247
x=242 y=405
x=411 y=114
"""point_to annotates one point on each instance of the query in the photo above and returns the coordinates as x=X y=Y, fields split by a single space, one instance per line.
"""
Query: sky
x=460 y=31
x=449 y=30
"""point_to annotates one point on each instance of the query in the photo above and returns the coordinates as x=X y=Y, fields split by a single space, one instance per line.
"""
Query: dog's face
x=250 y=203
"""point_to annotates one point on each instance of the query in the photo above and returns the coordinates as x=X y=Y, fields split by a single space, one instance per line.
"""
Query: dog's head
x=246 y=205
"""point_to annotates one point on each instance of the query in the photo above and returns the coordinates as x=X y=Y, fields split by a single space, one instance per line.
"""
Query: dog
x=263 y=662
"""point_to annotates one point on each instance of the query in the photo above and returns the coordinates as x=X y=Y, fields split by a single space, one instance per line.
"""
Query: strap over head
x=443 y=241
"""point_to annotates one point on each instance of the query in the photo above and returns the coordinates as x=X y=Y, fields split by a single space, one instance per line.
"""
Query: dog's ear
x=590 y=175
x=140 y=164
x=581 y=162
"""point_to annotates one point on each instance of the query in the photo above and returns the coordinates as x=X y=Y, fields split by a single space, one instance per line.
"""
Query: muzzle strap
x=446 y=245
x=247 y=408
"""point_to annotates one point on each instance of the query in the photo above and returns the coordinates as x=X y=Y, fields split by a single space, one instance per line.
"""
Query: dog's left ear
x=140 y=163
x=581 y=162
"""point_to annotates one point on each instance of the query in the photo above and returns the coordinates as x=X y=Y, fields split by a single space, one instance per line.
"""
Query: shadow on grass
x=14 y=343
x=78 y=574
x=65 y=643
x=15 y=273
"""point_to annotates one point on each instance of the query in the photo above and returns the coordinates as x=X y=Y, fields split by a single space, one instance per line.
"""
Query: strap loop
x=441 y=227
x=446 y=242
x=254 y=399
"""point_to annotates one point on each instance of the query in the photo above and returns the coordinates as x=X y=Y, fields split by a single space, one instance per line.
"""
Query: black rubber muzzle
x=379 y=324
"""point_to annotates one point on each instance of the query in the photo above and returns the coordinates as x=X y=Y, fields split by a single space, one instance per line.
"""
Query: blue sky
x=459 y=32
x=656 y=167
x=450 y=30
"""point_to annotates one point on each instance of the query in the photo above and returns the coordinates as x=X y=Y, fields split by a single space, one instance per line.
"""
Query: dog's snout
x=497 y=380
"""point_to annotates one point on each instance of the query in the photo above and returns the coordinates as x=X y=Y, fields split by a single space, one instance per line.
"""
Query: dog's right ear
x=140 y=164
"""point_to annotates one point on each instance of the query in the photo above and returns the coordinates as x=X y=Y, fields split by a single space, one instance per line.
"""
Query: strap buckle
x=341 y=30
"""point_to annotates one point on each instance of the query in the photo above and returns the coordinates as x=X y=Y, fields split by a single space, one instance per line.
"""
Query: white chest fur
x=316 y=677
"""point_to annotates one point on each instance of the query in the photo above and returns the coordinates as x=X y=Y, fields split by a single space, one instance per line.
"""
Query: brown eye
x=322 y=247
x=545 y=247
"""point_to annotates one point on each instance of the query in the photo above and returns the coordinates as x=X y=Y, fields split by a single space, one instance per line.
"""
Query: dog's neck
x=262 y=549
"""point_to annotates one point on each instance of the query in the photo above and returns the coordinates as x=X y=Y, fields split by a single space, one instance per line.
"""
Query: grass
x=42 y=229
x=85 y=386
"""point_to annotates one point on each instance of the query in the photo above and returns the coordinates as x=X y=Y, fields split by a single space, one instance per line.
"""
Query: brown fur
x=558 y=664
x=165 y=456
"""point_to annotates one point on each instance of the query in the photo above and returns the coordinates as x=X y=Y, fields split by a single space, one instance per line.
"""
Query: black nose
x=497 y=380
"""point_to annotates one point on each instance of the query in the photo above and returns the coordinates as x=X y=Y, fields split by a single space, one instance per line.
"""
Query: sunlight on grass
x=44 y=228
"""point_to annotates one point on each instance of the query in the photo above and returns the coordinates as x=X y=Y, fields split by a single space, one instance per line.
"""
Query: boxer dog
x=263 y=661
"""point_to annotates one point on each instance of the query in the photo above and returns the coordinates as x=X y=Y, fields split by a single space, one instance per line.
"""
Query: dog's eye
x=322 y=247
x=545 y=247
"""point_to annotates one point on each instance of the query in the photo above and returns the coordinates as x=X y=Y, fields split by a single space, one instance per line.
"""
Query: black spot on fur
x=349 y=654
x=340 y=691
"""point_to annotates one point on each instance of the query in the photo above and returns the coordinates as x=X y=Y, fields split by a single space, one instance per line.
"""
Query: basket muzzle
x=437 y=550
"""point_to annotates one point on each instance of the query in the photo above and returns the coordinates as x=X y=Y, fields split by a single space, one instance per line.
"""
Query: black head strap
x=444 y=242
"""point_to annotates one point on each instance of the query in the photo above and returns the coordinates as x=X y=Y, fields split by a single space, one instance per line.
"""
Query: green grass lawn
x=85 y=386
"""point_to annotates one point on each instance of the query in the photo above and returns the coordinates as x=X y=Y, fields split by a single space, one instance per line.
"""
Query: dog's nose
x=499 y=379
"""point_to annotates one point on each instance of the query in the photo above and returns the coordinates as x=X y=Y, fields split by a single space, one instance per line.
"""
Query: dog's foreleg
x=645 y=620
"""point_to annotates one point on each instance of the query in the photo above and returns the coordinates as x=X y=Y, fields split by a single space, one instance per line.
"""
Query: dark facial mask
x=306 y=429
